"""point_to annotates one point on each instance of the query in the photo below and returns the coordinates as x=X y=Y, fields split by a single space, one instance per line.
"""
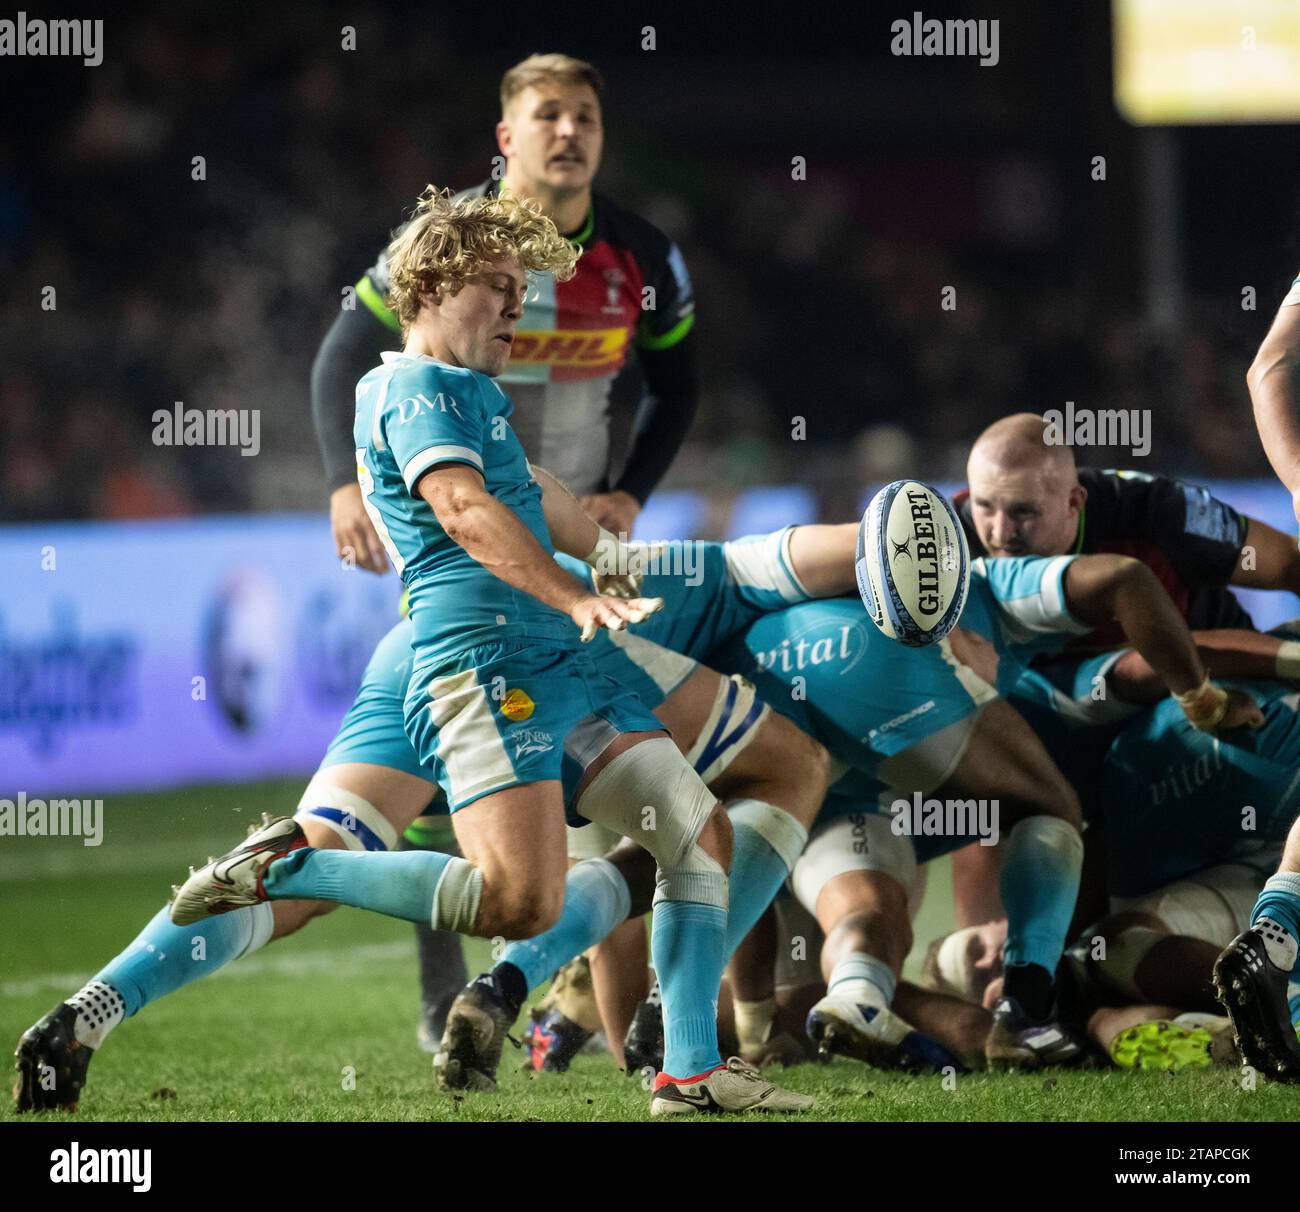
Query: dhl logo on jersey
x=570 y=347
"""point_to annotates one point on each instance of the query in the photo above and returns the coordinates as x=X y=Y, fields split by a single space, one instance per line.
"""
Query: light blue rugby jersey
x=1174 y=799
x=1018 y=604
x=824 y=665
x=415 y=413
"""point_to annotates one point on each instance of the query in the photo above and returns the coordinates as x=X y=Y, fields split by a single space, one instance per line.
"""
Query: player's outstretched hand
x=592 y=612
x=1242 y=710
x=355 y=537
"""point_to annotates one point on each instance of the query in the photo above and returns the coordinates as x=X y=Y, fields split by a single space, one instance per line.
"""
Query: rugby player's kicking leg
x=644 y=789
x=349 y=806
x=1251 y=976
x=691 y=839
x=1039 y=881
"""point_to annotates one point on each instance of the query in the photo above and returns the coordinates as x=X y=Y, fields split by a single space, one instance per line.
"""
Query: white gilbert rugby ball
x=912 y=562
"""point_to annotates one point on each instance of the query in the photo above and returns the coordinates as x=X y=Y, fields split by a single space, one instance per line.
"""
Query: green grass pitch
x=321 y=1026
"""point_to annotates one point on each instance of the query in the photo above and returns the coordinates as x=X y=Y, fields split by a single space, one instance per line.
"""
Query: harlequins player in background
x=631 y=290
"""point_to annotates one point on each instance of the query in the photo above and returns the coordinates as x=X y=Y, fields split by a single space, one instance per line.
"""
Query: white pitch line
x=275 y=962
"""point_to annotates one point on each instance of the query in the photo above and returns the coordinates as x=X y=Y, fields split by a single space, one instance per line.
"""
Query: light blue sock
x=1293 y=996
x=766 y=842
x=688 y=940
x=159 y=960
x=596 y=899
x=1040 y=882
x=1280 y=900
x=400 y=883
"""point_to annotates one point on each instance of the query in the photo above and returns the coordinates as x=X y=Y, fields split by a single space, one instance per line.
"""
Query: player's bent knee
x=513 y=909
x=649 y=793
x=291 y=916
x=1122 y=953
x=717 y=836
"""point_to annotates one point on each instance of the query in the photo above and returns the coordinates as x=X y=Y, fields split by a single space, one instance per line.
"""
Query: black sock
x=442 y=973
x=510 y=983
x=1031 y=985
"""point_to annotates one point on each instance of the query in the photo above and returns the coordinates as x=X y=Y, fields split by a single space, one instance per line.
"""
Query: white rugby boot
x=234 y=881
x=840 y=1025
x=734 y=1086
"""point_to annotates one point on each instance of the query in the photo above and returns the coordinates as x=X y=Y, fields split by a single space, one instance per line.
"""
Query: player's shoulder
x=433 y=384
x=1124 y=483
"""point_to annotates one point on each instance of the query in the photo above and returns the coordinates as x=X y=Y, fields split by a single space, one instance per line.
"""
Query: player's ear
x=505 y=139
x=1078 y=496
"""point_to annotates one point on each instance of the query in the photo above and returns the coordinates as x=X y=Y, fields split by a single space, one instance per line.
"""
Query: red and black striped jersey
x=631 y=291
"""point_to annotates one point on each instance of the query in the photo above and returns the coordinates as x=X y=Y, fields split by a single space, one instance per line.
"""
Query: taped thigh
x=591 y=841
x=931 y=761
x=734 y=720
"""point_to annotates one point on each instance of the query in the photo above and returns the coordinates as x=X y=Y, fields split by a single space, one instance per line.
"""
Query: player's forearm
x=1274 y=559
x=1156 y=628
x=1100 y=588
x=1225 y=654
x=495 y=538
x=572 y=530
x=351 y=347
x=821 y=557
x=1272 y=383
x=664 y=417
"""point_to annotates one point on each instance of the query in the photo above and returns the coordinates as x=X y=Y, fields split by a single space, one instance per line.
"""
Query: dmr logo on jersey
x=589 y=348
x=412 y=406
x=89 y=1165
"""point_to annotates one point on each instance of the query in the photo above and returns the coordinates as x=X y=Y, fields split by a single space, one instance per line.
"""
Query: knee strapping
x=698 y=878
x=612 y=885
x=355 y=819
x=650 y=794
x=456 y=899
x=774 y=825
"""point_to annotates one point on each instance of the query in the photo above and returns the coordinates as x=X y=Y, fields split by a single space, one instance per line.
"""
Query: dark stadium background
x=817 y=298
x=138 y=577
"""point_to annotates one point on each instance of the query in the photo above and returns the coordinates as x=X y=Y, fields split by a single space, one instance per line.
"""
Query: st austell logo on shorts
x=532 y=740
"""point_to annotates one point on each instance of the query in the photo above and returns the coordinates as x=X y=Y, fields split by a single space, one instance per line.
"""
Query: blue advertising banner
x=138 y=655
x=141 y=655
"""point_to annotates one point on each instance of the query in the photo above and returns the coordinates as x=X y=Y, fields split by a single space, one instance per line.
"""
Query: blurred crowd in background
x=817 y=298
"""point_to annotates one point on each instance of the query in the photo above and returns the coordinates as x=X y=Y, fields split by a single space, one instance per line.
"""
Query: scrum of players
x=718 y=736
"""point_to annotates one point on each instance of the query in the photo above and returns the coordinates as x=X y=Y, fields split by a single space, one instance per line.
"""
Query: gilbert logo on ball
x=516 y=705
x=912 y=563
